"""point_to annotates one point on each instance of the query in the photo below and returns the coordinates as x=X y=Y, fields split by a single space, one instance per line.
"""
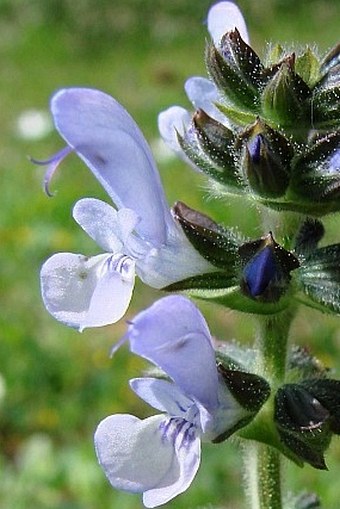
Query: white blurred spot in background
x=33 y=124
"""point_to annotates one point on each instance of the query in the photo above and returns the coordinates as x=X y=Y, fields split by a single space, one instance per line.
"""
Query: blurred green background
x=57 y=384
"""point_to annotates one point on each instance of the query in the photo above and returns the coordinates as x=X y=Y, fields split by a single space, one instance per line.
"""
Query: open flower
x=159 y=456
x=202 y=92
x=140 y=237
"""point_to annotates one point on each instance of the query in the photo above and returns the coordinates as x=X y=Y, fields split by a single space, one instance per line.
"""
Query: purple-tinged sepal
x=326 y=94
x=306 y=416
x=215 y=243
x=266 y=160
x=219 y=246
x=210 y=146
x=308 y=236
x=315 y=181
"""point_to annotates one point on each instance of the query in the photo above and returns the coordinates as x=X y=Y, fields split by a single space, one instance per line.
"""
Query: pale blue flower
x=141 y=236
x=202 y=93
x=159 y=456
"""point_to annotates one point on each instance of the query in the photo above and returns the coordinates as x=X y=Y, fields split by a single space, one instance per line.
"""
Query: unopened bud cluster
x=280 y=144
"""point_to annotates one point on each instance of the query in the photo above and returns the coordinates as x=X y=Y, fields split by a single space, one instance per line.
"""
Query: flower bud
x=211 y=147
x=236 y=69
x=267 y=267
x=267 y=157
x=303 y=424
x=316 y=174
x=284 y=98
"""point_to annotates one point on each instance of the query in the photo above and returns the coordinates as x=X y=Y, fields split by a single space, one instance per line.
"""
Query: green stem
x=263 y=466
x=263 y=462
x=271 y=344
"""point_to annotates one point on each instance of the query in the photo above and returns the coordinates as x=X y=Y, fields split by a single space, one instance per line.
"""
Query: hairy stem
x=263 y=476
x=262 y=462
x=271 y=345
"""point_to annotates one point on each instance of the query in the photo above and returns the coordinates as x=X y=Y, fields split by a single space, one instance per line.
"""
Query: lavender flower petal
x=162 y=395
x=170 y=122
x=203 y=94
x=173 y=334
x=108 y=227
x=52 y=165
x=108 y=140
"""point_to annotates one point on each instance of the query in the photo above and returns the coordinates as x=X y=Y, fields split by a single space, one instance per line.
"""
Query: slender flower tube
x=202 y=93
x=141 y=236
x=159 y=456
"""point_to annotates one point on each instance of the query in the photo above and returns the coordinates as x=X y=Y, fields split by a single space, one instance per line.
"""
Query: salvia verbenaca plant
x=265 y=130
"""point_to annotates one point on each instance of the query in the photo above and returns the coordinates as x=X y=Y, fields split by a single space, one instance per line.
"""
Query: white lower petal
x=84 y=292
x=138 y=457
x=188 y=456
x=132 y=453
x=112 y=294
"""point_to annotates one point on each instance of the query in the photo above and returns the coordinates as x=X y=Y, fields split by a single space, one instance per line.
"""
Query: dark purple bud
x=254 y=148
x=266 y=159
x=267 y=267
x=260 y=271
